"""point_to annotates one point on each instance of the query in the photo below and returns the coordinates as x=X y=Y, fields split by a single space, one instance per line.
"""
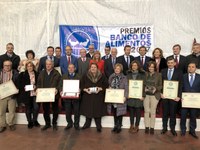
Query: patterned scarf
x=116 y=81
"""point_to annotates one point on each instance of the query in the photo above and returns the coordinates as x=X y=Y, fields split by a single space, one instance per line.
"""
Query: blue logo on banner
x=78 y=37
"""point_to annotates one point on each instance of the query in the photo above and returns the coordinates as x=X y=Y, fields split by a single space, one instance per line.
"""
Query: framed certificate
x=197 y=71
x=71 y=89
x=7 y=89
x=170 y=89
x=114 y=96
x=135 y=89
x=191 y=100
x=58 y=69
x=45 y=95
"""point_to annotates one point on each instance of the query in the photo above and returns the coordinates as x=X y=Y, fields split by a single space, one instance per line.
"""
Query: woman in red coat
x=97 y=59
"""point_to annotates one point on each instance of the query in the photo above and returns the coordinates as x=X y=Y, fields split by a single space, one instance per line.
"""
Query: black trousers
x=72 y=106
x=117 y=119
x=137 y=113
x=193 y=122
x=32 y=109
x=97 y=122
x=169 y=110
x=55 y=110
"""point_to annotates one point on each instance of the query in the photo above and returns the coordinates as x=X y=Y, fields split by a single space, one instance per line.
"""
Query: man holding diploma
x=7 y=74
x=191 y=83
x=170 y=105
x=49 y=78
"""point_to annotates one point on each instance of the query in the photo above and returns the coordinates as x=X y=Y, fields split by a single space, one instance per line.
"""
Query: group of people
x=99 y=73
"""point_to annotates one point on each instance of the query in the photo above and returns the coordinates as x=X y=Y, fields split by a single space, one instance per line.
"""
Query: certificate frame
x=7 y=89
x=190 y=100
x=170 y=89
x=45 y=95
x=135 y=89
x=72 y=91
x=114 y=96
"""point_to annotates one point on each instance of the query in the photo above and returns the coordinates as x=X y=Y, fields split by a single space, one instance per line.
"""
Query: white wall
x=34 y=24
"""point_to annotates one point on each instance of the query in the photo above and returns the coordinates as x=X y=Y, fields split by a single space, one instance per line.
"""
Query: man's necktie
x=142 y=60
x=69 y=60
x=169 y=76
x=127 y=61
x=176 y=60
x=191 y=80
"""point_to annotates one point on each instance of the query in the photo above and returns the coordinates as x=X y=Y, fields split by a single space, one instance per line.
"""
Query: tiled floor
x=89 y=139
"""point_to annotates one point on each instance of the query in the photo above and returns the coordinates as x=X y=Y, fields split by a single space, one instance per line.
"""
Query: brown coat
x=92 y=105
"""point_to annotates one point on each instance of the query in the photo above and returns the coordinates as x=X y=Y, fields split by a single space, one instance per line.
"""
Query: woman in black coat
x=93 y=85
x=27 y=81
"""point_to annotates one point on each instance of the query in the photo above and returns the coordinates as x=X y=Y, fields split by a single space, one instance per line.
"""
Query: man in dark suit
x=191 y=83
x=107 y=53
x=83 y=63
x=50 y=52
x=125 y=59
x=143 y=59
x=170 y=105
x=10 y=55
x=110 y=62
x=195 y=56
x=179 y=59
x=68 y=59
x=91 y=51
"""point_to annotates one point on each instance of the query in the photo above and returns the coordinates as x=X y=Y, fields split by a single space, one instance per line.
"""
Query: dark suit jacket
x=64 y=63
x=186 y=83
x=122 y=61
x=182 y=65
x=108 y=67
x=104 y=57
x=163 y=64
x=88 y=55
x=42 y=62
x=15 y=59
x=147 y=59
x=177 y=76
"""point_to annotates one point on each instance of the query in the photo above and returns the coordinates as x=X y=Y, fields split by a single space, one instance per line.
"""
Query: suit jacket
x=193 y=58
x=177 y=76
x=42 y=63
x=147 y=59
x=15 y=59
x=186 y=83
x=83 y=66
x=122 y=61
x=108 y=67
x=64 y=63
x=104 y=57
x=182 y=65
x=88 y=56
x=163 y=64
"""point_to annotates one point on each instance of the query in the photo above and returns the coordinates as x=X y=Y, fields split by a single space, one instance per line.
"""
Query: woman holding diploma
x=135 y=104
x=27 y=81
x=118 y=80
x=93 y=85
x=152 y=89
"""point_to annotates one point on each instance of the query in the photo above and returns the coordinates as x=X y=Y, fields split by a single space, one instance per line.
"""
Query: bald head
x=114 y=52
x=83 y=53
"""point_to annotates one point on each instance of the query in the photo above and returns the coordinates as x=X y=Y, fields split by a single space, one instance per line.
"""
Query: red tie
x=142 y=61
x=69 y=60
x=176 y=60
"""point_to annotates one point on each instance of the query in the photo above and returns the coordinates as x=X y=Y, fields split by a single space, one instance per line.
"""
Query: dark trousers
x=97 y=122
x=169 y=110
x=193 y=124
x=72 y=105
x=32 y=109
x=137 y=113
x=46 y=109
x=117 y=119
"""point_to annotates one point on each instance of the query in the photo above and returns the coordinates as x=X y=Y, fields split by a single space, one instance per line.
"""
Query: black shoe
x=151 y=130
x=69 y=126
x=193 y=134
x=98 y=129
x=146 y=130
x=118 y=130
x=163 y=131
x=2 y=129
x=173 y=132
x=45 y=127
x=77 y=128
x=30 y=125
x=114 y=129
x=85 y=127
x=36 y=124
x=12 y=127
x=55 y=127
x=182 y=133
